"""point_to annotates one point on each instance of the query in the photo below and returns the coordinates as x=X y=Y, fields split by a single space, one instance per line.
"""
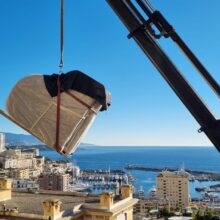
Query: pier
x=194 y=174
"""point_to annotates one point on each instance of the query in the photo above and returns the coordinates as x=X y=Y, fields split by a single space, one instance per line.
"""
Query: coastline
x=96 y=157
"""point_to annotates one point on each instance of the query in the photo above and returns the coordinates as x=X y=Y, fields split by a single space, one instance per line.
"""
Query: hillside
x=12 y=139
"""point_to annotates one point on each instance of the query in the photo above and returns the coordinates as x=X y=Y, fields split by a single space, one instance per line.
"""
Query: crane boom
x=141 y=30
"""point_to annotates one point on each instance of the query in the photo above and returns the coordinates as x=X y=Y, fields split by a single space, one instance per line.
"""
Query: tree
x=164 y=212
x=199 y=215
x=208 y=214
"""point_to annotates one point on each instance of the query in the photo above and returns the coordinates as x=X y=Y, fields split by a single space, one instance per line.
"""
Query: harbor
x=192 y=174
x=145 y=157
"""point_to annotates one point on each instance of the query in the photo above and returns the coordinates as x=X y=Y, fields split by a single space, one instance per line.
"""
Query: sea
x=194 y=158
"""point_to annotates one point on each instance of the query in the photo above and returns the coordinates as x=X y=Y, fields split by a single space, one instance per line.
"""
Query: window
x=126 y=216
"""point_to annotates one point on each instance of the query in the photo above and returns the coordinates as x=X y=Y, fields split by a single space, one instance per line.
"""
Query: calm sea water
x=195 y=158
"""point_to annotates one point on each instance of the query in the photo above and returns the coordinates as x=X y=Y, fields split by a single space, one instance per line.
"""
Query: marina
x=211 y=188
x=105 y=179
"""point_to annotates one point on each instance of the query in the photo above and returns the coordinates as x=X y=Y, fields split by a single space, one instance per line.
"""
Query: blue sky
x=144 y=111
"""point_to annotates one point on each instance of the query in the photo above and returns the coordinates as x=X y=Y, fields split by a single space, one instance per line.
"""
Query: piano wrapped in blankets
x=57 y=109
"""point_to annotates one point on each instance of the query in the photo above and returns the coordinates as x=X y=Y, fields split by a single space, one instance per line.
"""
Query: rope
x=61 y=35
x=59 y=76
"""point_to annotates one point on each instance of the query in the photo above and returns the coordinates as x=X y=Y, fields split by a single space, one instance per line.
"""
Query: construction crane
x=146 y=25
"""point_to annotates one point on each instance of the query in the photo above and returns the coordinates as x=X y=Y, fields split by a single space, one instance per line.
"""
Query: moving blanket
x=32 y=103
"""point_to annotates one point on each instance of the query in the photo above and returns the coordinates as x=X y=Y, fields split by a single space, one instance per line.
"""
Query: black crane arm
x=142 y=32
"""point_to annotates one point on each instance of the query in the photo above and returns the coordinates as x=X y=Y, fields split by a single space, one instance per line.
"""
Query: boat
x=141 y=193
x=201 y=189
x=78 y=186
x=153 y=191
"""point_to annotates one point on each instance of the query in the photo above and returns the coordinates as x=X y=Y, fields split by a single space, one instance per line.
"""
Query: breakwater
x=193 y=174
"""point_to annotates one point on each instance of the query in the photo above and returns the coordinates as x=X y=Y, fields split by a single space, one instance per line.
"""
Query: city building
x=174 y=187
x=17 y=163
x=4 y=173
x=19 y=174
x=34 y=173
x=54 y=181
x=59 y=167
x=8 y=162
x=40 y=161
x=21 y=159
x=2 y=142
x=24 y=184
x=66 y=205
x=180 y=218
x=144 y=206
x=29 y=153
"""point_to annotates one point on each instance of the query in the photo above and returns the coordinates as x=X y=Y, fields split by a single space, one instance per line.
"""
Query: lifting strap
x=58 y=116
x=59 y=76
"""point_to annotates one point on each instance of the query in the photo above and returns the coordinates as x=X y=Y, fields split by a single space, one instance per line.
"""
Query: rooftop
x=28 y=202
x=179 y=173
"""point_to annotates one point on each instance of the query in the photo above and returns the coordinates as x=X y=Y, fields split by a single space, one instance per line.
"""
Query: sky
x=145 y=111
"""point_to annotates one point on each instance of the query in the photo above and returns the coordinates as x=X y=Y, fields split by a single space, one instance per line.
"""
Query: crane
x=146 y=29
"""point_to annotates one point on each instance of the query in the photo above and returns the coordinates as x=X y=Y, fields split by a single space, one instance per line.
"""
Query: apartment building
x=19 y=174
x=16 y=163
x=174 y=187
x=144 y=206
x=21 y=159
x=54 y=181
x=24 y=184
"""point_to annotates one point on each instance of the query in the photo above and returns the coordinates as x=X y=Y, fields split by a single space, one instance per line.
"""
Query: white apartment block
x=25 y=163
x=174 y=187
x=24 y=184
x=34 y=173
x=17 y=163
x=18 y=159
x=2 y=142
x=8 y=163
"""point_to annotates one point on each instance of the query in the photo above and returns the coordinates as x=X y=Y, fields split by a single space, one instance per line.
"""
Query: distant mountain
x=12 y=139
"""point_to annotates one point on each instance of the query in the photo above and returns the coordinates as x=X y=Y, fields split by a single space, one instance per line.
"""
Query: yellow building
x=174 y=187
x=69 y=205
x=5 y=189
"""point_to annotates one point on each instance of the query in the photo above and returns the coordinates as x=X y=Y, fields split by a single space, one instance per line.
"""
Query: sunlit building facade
x=174 y=187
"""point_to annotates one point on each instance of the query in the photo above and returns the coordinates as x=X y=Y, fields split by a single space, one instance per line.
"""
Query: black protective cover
x=78 y=81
